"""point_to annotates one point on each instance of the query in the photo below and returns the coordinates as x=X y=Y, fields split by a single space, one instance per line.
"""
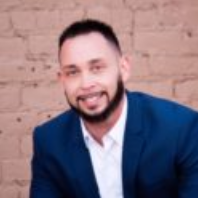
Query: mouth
x=91 y=99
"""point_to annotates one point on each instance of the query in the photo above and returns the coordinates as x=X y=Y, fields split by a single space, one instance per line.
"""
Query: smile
x=90 y=97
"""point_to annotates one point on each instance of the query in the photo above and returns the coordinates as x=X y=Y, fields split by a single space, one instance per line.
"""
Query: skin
x=90 y=68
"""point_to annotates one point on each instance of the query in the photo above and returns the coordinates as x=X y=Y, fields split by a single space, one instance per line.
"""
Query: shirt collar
x=116 y=133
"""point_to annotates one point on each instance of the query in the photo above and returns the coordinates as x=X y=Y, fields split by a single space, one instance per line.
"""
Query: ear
x=125 y=68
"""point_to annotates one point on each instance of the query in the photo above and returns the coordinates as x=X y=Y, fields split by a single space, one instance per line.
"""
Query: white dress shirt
x=107 y=159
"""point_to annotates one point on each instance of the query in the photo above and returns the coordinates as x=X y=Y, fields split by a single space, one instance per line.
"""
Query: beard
x=108 y=111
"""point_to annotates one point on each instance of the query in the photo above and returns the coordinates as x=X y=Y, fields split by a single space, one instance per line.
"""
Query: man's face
x=92 y=73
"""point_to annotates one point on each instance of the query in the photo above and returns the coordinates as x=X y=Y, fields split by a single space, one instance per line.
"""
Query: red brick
x=147 y=4
x=189 y=16
x=48 y=19
x=9 y=4
x=10 y=71
x=47 y=115
x=194 y=104
x=101 y=13
x=187 y=89
x=12 y=49
x=9 y=147
x=38 y=4
x=16 y=171
x=1 y=179
x=111 y=16
x=46 y=5
x=140 y=66
x=47 y=96
x=119 y=22
x=19 y=123
x=158 y=88
x=9 y=97
x=36 y=22
x=26 y=146
x=23 y=20
x=24 y=191
x=173 y=65
x=89 y=4
x=29 y=71
x=184 y=3
x=166 y=43
x=62 y=5
x=168 y=18
x=9 y=191
x=43 y=45
x=4 y=22
x=69 y=16
x=126 y=42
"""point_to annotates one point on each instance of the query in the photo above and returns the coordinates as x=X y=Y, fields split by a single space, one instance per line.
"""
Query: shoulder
x=165 y=122
x=160 y=109
x=59 y=121
x=57 y=127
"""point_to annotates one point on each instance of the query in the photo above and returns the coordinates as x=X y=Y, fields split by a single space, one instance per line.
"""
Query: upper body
x=156 y=153
x=160 y=154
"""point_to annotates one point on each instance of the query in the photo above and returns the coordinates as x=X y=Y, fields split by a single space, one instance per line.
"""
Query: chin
x=94 y=112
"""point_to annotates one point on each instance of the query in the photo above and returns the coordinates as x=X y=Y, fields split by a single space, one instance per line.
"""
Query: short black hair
x=87 y=26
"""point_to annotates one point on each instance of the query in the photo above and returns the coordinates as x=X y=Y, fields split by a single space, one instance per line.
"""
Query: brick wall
x=160 y=36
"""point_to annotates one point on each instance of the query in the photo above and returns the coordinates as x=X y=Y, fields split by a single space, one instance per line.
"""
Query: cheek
x=111 y=87
x=70 y=89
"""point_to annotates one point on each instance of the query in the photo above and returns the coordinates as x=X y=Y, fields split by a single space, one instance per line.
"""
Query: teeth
x=90 y=97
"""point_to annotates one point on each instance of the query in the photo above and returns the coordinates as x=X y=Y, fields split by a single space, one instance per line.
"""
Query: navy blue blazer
x=160 y=154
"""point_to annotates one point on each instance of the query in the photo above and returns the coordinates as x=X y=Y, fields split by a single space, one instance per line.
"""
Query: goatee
x=104 y=115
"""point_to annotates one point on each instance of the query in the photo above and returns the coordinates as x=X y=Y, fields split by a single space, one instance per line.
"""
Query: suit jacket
x=160 y=154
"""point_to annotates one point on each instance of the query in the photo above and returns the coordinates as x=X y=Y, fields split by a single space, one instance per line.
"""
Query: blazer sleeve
x=187 y=162
x=42 y=186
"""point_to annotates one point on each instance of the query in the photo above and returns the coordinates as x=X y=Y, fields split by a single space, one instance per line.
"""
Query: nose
x=87 y=81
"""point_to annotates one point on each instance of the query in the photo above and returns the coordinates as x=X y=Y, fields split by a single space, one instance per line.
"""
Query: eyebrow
x=97 y=60
x=69 y=66
x=91 y=62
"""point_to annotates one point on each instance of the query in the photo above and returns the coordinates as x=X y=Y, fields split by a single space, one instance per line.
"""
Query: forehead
x=86 y=47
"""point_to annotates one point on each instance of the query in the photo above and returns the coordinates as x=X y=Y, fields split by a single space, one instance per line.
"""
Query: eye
x=71 y=72
x=97 y=68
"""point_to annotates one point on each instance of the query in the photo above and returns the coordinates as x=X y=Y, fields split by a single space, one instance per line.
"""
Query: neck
x=98 y=130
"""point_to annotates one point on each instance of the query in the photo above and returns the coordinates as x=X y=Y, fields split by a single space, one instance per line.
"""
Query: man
x=112 y=143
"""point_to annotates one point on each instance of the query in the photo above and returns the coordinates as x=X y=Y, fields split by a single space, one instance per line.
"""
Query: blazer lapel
x=133 y=142
x=86 y=185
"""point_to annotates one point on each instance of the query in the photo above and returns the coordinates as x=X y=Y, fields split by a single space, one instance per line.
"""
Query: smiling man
x=112 y=143
x=93 y=72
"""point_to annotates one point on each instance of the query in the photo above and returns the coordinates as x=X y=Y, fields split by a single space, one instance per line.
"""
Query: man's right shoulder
x=58 y=124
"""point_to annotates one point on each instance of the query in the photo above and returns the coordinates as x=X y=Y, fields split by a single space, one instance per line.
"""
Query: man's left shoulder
x=161 y=107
